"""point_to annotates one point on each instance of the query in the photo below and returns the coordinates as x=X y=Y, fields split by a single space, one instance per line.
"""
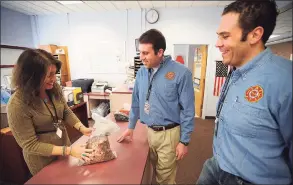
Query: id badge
x=147 y=107
x=216 y=126
x=59 y=132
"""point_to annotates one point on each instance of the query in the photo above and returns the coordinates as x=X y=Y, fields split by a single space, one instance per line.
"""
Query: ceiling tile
x=159 y=4
x=120 y=5
x=172 y=4
x=57 y=6
x=12 y=7
x=132 y=4
x=224 y=3
x=145 y=4
x=80 y=7
x=24 y=6
x=205 y=3
x=45 y=6
x=34 y=7
x=107 y=5
x=95 y=5
x=185 y=3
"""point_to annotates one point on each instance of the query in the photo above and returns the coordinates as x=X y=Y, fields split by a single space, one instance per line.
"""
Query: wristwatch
x=184 y=143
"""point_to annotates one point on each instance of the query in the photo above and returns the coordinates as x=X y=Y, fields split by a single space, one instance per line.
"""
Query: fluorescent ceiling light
x=273 y=36
x=70 y=2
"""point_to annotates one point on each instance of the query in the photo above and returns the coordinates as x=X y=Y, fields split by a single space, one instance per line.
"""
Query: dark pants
x=213 y=174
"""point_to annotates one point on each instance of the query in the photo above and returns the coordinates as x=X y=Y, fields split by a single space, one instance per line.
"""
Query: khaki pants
x=163 y=153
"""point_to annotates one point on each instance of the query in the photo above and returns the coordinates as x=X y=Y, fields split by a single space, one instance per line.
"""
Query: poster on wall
x=180 y=59
x=199 y=55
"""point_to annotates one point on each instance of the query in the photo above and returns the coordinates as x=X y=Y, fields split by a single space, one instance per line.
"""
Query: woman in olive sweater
x=37 y=112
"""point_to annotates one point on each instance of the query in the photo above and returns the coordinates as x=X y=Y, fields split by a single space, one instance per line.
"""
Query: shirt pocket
x=244 y=120
x=170 y=92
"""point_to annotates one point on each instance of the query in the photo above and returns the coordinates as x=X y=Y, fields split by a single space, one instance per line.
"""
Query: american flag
x=220 y=77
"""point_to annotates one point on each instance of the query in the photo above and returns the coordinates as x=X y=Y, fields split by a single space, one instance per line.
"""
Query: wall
x=16 y=30
x=99 y=41
x=96 y=40
x=282 y=49
x=101 y=45
x=181 y=49
x=53 y=29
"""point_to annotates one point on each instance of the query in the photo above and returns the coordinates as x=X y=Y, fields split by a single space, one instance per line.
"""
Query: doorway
x=194 y=57
x=199 y=76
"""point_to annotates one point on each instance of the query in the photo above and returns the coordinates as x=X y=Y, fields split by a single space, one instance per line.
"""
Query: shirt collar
x=163 y=62
x=155 y=68
x=260 y=59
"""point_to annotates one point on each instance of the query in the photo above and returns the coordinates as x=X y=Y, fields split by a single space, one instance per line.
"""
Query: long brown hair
x=30 y=72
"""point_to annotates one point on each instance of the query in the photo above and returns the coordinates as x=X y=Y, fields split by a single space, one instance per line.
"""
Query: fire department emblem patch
x=170 y=75
x=254 y=93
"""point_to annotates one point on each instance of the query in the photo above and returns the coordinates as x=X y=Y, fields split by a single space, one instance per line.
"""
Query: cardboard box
x=49 y=48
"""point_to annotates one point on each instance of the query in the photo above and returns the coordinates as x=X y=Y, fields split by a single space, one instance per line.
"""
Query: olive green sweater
x=33 y=129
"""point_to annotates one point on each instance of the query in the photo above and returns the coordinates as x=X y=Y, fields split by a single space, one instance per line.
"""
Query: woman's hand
x=80 y=152
x=86 y=131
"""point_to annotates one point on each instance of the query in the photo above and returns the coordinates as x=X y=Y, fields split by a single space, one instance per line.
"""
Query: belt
x=238 y=179
x=160 y=128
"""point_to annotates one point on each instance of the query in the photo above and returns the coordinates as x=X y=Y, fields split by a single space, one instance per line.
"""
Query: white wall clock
x=152 y=16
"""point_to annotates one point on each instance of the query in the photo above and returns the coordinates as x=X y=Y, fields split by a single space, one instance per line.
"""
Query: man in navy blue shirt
x=163 y=99
x=253 y=127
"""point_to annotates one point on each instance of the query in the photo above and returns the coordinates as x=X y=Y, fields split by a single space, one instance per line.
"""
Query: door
x=199 y=74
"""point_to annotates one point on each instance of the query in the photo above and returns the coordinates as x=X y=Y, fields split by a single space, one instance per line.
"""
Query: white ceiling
x=54 y=7
x=283 y=28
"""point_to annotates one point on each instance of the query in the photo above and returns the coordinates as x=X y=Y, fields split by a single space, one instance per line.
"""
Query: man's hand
x=127 y=133
x=181 y=151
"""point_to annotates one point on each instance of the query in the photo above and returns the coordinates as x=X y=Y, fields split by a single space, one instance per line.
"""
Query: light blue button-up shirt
x=171 y=99
x=254 y=139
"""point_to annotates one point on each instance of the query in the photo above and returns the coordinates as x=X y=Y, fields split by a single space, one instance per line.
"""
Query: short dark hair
x=254 y=13
x=154 y=37
x=31 y=68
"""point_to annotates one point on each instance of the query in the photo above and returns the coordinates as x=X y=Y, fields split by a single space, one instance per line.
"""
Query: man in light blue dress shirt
x=253 y=129
x=163 y=99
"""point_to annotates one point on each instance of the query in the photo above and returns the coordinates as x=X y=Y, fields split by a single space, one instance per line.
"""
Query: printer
x=99 y=86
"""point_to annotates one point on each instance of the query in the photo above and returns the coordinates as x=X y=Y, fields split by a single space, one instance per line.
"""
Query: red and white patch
x=254 y=93
x=170 y=75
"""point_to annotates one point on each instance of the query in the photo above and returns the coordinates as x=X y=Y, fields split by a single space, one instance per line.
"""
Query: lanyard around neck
x=151 y=83
x=56 y=116
x=152 y=79
x=224 y=91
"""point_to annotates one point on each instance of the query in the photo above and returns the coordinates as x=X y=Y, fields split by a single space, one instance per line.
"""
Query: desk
x=93 y=99
x=130 y=167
